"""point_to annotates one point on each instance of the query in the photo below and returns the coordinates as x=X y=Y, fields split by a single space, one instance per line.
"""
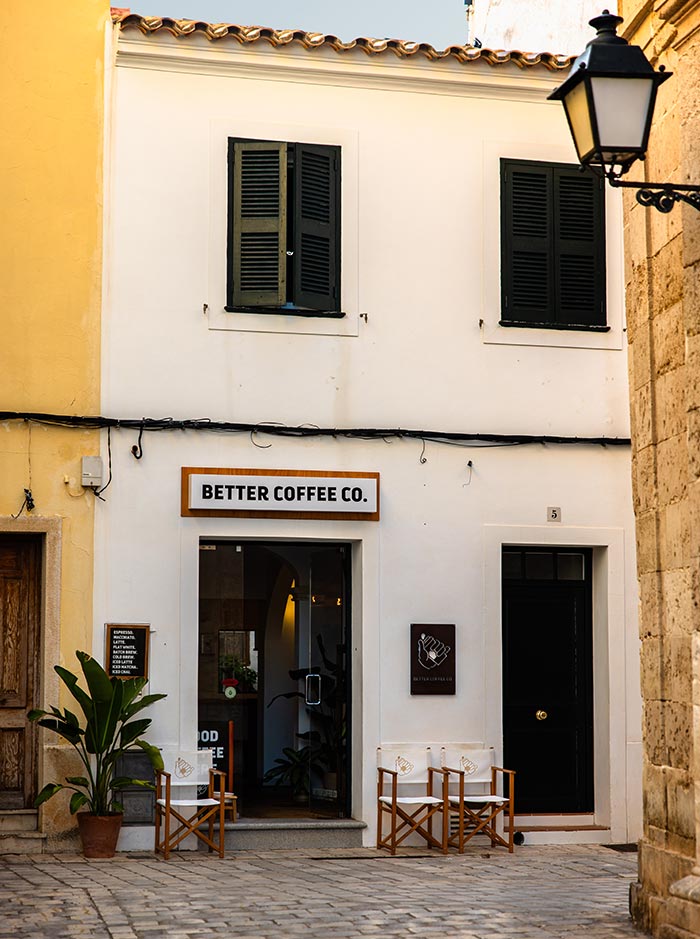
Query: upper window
x=552 y=246
x=284 y=228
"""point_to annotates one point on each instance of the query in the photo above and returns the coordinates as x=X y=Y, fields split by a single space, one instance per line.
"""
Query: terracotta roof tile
x=248 y=35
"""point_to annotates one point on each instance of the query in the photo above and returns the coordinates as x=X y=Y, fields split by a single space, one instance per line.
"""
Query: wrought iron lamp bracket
x=662 y=196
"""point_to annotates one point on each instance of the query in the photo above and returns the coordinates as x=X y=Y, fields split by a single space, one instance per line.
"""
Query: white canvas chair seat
x=473 y=811
x=191 y=768
x=478 y=800
x=190 y=801
x=409 y=813
x=413 y=800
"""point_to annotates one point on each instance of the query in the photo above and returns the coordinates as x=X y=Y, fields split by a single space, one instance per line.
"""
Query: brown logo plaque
x=433 y=658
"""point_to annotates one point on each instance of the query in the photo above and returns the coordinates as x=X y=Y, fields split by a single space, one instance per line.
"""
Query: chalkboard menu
x=127 y=650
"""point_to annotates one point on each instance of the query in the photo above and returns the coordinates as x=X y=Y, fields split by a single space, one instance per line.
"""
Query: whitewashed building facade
x=393 y=185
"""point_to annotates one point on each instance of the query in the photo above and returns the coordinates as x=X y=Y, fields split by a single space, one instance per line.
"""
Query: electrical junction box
x=91 y=472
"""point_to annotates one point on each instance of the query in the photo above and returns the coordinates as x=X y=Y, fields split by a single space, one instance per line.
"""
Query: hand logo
x=183 y=769
x=403 y=766
x=469 y=766
x=431 y=652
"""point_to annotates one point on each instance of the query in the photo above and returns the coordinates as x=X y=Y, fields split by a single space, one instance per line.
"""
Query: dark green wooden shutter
x=579 y=247
x=527 y=274
x=552 y=245
x=317 y=227
x=259 y=224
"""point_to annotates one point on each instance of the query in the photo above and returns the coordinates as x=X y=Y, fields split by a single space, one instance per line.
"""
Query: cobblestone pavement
x=537 y=893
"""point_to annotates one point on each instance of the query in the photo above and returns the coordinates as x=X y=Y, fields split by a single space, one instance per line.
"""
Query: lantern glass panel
x=576 y=104
x=621 y=108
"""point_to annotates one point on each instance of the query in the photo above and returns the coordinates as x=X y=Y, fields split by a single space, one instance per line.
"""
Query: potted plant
x=104 y=734
x=294 y=769
x=324 y=742
x=231 y=667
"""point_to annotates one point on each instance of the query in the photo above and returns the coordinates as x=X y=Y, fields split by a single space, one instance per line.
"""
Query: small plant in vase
x=231 y=667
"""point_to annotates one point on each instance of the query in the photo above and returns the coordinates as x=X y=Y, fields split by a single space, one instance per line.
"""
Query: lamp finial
x=606 y=25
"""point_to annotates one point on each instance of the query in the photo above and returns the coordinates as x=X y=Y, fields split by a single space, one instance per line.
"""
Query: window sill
x=569 y=327
x=291 y=311
x=273 y=320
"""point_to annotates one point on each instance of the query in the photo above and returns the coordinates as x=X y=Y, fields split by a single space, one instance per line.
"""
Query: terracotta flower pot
x=99 y=833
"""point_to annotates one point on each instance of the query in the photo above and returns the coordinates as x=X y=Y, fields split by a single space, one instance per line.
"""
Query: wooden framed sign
x=253 y=493
x=127 y=650
x=432 y=658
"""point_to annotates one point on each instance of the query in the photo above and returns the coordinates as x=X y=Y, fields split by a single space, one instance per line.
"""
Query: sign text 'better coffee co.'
x=249 y=493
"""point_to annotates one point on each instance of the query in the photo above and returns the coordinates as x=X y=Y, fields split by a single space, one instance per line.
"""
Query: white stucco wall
x=420 y=201
x=540 y=26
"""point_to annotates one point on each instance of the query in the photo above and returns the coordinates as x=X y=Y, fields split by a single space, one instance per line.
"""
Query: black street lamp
x=609 y=100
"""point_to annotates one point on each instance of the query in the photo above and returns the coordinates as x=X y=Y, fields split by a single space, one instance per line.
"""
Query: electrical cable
x=98 y=492
x=455 y=438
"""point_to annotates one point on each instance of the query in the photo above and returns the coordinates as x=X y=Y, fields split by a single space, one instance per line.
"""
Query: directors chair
x=408 y=769
x=192 y=769
x=474 y=804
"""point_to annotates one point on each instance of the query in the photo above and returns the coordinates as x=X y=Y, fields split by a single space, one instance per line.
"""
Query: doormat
x=623 y=848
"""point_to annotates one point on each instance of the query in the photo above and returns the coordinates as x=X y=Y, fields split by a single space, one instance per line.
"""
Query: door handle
x=312 y=691
x=541 y=715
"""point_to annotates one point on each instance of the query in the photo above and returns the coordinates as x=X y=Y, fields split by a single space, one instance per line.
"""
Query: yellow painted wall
x=52 y=59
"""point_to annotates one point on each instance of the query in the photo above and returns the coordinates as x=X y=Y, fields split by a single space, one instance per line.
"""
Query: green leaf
x=122 y=782
x=49 y=790
x=77 y=801
x=144 y=702
x=78 y=781
x=312 y=736
x=130 y=732
x=330 y=666
x=286 y=694
x=298 y=673
x=64 y=730
x=153 y=753
x=99 y=685
x=71 y=718
x=132 y=687
x=71 y=682
x=108 y=696
x=35 y=714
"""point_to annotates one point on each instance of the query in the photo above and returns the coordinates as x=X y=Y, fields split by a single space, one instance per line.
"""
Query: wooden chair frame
x=479 y=813
x=205 y=811
x=405 y=821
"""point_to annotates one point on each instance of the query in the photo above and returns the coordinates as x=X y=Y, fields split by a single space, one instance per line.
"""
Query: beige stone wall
x=663 y=310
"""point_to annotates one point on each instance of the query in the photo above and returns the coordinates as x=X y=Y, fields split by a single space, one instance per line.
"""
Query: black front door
x=548 y=678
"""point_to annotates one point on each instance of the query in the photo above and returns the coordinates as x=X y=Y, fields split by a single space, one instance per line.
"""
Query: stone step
x=22 y=842
x=18 y=820
x=267 y=834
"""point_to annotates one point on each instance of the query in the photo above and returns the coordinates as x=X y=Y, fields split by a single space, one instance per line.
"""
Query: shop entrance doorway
x=274 y=683
x=548 y=678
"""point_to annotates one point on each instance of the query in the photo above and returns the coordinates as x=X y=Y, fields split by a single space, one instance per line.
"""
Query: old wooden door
x=20 y=581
